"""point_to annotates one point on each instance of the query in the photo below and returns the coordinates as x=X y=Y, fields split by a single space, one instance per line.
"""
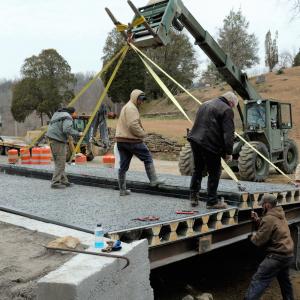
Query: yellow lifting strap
x=83 y=90
x=123 y=54
x=138 y=21
x=198 y=101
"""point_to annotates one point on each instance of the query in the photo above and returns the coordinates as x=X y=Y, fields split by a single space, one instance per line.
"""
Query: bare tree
x=286 y=59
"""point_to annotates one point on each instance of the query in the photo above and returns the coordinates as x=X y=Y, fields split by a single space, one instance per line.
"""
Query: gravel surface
x=225 y=185
x=85 y=206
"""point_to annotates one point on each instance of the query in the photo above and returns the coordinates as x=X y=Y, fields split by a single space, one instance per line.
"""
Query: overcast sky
x=77 y=29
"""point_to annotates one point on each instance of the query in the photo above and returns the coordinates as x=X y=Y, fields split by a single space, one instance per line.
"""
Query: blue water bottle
x=99 y=237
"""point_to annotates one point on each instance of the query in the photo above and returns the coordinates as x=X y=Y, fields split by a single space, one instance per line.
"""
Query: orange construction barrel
x=80 y=159
x=45 y=156
x=12 y=156
x=25 y=156
x=108 y=160
x=35 y=155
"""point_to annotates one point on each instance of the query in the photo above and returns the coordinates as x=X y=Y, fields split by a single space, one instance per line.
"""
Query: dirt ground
x=23 y=261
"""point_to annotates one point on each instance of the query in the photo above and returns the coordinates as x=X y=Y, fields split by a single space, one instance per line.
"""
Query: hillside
x=284 y=87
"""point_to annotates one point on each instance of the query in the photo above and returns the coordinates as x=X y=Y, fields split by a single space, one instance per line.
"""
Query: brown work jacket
x=274 y=233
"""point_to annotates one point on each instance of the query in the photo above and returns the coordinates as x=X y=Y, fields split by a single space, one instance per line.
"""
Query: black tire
x=290 y=157
x=2 y=150
x=186 y=160
x=253 y=167
x=90 y=156
x=6 y=149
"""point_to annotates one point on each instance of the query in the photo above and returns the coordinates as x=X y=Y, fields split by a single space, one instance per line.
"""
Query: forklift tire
x=90 y=156
x=290 y=157
x=253 y=167
x=2 y=150
x=186 y=160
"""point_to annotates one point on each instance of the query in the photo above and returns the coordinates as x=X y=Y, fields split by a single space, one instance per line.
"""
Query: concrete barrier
x=87 y=277
x=95 y=278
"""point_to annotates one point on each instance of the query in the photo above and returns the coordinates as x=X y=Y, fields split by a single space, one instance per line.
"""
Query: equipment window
x=286 y=116
x=256 y=114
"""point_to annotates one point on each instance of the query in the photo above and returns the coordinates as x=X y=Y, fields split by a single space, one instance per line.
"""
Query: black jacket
x=214 y=127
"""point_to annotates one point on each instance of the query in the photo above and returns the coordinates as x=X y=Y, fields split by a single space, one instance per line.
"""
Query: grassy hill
x=284 y=87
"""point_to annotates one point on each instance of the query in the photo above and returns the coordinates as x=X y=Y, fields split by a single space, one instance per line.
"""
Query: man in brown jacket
x=274 y=234
x=129 y=136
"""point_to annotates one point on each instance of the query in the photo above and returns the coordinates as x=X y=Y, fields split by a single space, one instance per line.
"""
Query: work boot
x=68 y=184
x=58 y=186
x=194 y=197
x=122 y=185
x=150 y=170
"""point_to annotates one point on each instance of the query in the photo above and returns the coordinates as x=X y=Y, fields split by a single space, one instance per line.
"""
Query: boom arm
x=164 y=15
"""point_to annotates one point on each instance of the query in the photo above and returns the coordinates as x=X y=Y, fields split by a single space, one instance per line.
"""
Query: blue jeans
x=272 y=266
x=206 y=160
x=127 y=150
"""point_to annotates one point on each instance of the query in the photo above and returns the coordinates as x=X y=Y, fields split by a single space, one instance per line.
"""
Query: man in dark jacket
x=274 y=234
x=59 y=129
x=211 y=138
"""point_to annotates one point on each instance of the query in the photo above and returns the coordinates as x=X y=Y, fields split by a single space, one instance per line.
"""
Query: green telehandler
x=265 y=122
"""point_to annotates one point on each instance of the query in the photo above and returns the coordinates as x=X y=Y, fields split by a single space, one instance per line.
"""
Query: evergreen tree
x=131 y=74
x=47 y=84
x=178 y=59
x=297 y=60
x=235 y=40
x=271 y=50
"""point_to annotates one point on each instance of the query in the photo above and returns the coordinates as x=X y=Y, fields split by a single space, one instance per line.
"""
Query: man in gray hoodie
x=274 y=235
x=59 y=129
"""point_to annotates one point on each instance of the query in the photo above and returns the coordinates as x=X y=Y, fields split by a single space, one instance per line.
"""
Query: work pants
x=272 y=266
x=59 y=157
x=205 y=160
x=127 y=150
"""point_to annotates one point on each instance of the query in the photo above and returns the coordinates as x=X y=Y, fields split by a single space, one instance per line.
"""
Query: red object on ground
x=186 y=212
x=80 y=159
x=12 y=156
x=108 y=159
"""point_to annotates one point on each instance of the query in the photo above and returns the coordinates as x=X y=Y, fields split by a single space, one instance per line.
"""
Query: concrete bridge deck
x=173 y=237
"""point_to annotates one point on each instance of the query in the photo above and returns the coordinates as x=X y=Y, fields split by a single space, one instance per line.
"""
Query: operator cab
x=268 y=121
x=261 y=114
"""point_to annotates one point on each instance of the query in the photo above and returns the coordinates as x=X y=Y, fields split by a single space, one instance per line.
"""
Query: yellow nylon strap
x=169 y=94
x=224 y=165
x=83 y=90
x=165 y=73
x=138 y=21
x=164 y=88
x=135 y=23
x=121 y=27
x=125 y=49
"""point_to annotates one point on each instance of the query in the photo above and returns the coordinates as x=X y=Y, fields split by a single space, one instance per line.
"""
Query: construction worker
x=59 y=129
x=100 y=120
x=211 y=138
x=129 y=137
x=273 y=233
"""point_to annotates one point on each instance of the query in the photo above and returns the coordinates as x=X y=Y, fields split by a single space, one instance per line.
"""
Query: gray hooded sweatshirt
x=60 y=127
